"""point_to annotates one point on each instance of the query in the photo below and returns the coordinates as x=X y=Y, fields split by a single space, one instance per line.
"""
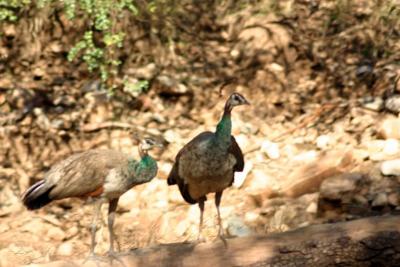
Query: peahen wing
x=235 y=150
x=83 y=174
x=174 y=176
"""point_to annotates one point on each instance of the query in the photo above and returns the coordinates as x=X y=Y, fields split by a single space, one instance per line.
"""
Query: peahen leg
x=111 y=217
x=218 y=196
x=93 y=229
x=201 y=206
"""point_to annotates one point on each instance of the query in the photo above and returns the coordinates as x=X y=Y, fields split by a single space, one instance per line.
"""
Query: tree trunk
x=371 y=241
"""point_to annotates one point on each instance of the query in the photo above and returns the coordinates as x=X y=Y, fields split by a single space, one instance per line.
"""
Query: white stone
x=375 y=104
x=240 y=177
x=389 y=128
x=235 y=53
x=323 y=141
x=251 y=216
x=391 y=147
x=312 y=208
x=306 y=156
x=236 y=227
x=171 y=136
x=65 y=249
x=391 y=167
x=271 y=149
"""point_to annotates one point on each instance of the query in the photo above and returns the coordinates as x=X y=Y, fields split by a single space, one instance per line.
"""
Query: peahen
x=100 y=174
x=208 y=162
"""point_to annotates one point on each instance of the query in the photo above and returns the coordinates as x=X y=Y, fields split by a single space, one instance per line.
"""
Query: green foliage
x=8 y=9
x=104 y=33
x=99 y=44
x=135 y=88
x=101 y=16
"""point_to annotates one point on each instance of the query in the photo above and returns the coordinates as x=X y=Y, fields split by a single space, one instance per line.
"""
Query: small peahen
x=101 y=174
x=208 y=162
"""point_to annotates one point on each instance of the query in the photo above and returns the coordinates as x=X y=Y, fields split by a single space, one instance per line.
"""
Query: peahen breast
x=207 y=166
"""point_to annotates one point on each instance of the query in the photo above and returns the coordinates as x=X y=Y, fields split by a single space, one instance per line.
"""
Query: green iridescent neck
x=145 y=162
x=224 y=130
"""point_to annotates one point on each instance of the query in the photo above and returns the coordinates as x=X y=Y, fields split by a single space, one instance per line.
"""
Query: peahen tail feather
x=174 y=178
x=37 y=195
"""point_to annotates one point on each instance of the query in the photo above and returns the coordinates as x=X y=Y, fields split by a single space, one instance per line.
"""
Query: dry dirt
x=301 y=76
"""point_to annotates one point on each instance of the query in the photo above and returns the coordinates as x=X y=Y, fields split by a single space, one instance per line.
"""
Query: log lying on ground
x=371 y=241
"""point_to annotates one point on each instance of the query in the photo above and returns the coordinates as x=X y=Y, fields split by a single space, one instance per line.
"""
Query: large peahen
x=208 y=162
x=101 y=174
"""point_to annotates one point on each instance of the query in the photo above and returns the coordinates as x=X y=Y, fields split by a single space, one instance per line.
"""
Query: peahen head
x=234 y=100
x=148 y=144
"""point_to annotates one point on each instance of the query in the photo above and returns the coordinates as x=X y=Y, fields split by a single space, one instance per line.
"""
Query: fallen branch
x=371 y=241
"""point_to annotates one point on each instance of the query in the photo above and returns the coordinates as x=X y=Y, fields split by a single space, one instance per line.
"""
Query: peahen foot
x=112 y=255
x=95 y=258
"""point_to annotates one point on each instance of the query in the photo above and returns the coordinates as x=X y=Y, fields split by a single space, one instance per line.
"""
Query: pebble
x=312 y=208
x=337 y=186
x=391 y=147
x=375 y=104
x=171 y=136
x=65 y=249
x=306 y=156
x=380 y=200
x=391 y=167
x=271 y=149
x=380 y=150
x=251 y=216
x=236 y=227
x=147 y=72
x=389 y=128
x=323 y=142
x=393 y=104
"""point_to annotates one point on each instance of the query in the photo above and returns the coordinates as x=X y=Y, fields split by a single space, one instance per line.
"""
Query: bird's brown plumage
x=102 y=174
x=207 y=163
x=175 y=178
x=80 y=175
x=83 y=173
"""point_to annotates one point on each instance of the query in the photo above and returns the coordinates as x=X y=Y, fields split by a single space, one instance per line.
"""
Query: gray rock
x=336 y=187
x=375 y=104
x=391 y=167
x=380 y=200
x=393 y=104
x=236 y=227
x=172 y=85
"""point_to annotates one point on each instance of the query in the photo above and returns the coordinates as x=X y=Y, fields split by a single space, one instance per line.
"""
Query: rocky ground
x=321 y=138
x=305 y=178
